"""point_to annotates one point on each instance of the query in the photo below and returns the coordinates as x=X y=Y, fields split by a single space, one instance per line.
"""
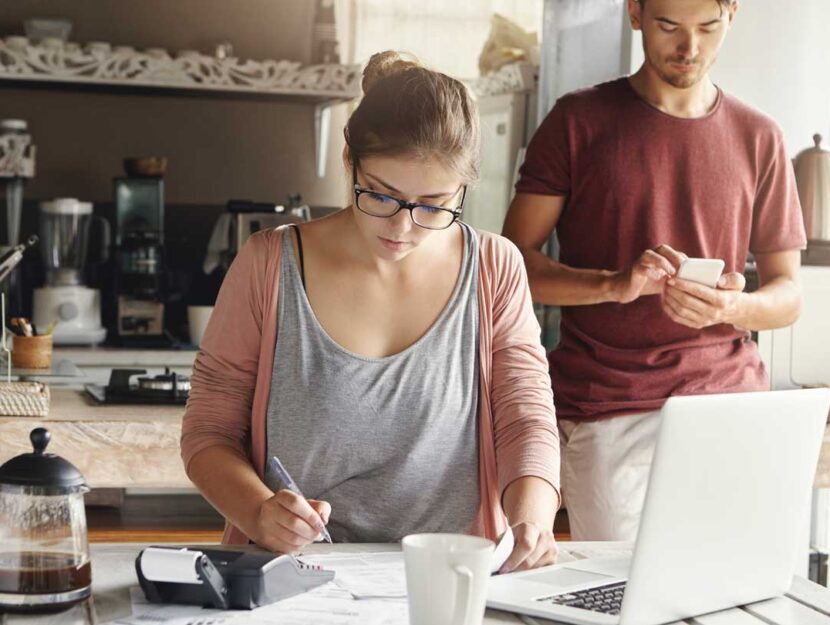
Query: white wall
x=777 y=58
x=582 y=45
x=447 y=36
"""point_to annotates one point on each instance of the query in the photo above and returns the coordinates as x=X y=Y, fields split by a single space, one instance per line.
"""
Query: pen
x=276 y=466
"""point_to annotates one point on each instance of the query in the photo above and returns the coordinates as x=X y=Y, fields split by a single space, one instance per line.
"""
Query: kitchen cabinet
x=798 y=355
x=504 y=134
x=507 y=110
x=113 y=446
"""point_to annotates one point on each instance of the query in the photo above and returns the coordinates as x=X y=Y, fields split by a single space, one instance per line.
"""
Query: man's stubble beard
x=679 y=81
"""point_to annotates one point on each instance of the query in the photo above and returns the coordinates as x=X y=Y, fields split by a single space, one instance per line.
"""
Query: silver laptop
x=724 y=519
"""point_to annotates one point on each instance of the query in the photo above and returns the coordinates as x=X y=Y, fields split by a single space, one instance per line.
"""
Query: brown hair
x=408 y=109
x=724 y=4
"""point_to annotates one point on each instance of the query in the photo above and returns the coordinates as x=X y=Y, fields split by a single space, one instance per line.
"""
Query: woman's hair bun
x=385 y=64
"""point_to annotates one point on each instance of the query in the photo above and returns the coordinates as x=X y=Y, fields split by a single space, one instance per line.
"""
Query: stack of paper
x=369 y=589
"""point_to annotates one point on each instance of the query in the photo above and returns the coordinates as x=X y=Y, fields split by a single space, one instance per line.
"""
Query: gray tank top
x=391 y=443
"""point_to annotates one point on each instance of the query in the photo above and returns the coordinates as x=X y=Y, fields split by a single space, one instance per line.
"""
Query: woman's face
x=411 y=180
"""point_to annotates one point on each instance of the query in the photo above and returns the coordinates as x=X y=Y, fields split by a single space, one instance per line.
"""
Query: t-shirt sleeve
x=547 y=166
x=777 y=221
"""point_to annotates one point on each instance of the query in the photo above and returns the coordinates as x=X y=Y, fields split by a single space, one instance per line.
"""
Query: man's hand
x=647 y=276
x=534 y=547
x=697 y=306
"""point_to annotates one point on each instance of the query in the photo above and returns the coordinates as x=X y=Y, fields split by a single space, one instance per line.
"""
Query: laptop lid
x=727 y=504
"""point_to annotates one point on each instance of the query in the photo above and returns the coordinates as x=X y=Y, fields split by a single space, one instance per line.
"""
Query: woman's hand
x=534 y=546
x=531 y=504
x=287 y=522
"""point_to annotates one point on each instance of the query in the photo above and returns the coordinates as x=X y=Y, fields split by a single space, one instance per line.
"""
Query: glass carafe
x=64 y=233
x=44 y=553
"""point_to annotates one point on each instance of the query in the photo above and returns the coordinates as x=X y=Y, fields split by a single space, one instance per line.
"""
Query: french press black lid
x=40 y=469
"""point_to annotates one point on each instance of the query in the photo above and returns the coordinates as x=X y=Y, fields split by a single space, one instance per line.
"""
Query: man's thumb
x=732 y=281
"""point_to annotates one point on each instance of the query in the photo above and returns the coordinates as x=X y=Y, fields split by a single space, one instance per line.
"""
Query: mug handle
x=463 y=596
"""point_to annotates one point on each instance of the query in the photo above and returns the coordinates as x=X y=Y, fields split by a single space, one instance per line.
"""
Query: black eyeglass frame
x=410 y=206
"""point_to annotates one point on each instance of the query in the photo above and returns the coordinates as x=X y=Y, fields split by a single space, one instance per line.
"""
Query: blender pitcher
x=64 y=235
x=65 y=299
x=44 y=553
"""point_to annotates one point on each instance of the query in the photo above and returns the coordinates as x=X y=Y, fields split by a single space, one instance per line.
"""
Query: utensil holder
x=32 y=352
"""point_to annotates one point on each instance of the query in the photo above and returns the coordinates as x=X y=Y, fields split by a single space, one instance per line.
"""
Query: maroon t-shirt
x=635 y=178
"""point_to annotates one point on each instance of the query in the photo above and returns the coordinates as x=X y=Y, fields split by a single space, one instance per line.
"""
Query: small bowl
x=146 y=166
x=38 y=28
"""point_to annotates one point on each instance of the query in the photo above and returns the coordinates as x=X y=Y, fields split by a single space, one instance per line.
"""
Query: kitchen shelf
x=101 y=66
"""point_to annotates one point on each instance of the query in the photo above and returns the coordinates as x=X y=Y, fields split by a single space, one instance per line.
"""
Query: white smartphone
x=705 y=271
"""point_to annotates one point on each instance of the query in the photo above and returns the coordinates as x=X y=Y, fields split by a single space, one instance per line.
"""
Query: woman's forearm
x=531 y=499
x=230 y=484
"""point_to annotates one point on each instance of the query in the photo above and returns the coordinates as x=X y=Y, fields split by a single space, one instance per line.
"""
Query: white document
x=381 y=575
x=503 y=550
x=369 y=589
x=366 y=575
x=568 y=554
x=325 y=605
x=146 y=613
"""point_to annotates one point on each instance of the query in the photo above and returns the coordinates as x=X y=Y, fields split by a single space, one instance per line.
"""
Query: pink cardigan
x=517 y=425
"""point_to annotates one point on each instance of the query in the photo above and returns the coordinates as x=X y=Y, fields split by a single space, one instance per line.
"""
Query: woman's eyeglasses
x=424 y=215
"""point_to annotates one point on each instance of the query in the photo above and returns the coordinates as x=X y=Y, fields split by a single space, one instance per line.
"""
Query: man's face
x=681 y=38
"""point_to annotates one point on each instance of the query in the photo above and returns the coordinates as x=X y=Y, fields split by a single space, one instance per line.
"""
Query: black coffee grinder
x=139 y=261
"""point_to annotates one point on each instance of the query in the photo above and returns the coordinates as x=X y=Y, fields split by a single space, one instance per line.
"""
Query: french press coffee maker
x=44 y=553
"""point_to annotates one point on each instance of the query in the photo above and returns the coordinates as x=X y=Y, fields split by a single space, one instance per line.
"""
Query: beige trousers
x=605 y=467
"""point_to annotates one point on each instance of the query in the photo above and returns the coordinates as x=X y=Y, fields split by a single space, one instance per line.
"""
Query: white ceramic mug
x=446 y=578
x=197 y=320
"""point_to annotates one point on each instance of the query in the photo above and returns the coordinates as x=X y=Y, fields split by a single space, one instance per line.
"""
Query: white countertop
x=113 y=567
x=126 y=357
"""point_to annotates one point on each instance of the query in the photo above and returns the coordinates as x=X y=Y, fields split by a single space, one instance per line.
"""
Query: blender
x=17 y=165
x=65 y=299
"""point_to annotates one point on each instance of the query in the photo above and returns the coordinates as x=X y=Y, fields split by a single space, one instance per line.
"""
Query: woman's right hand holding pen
x=287 y=522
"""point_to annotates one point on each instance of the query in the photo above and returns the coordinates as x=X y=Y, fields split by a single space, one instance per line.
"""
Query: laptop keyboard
x=605 y=599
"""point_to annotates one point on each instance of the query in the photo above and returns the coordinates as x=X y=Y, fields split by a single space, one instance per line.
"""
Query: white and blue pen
x=276 y=466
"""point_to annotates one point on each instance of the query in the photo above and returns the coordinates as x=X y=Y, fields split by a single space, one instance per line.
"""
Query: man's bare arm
x=530 y=221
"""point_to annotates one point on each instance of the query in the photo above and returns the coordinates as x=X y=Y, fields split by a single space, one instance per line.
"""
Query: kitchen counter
x=114 y=581
x=121 y=357
x=113 y=446
x=95 y=364
x=138 y=445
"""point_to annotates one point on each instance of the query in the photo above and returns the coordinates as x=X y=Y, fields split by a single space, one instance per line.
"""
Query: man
x=635 y=175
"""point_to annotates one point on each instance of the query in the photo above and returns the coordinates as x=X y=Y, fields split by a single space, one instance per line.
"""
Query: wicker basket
x=24 y=399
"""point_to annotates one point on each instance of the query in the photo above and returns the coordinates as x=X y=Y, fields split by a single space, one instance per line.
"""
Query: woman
x=388 y=354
